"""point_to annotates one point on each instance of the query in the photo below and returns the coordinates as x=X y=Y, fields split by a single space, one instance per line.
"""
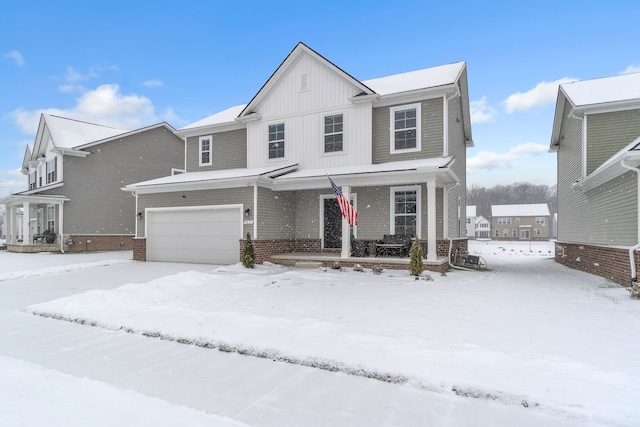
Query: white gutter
x=632 y=261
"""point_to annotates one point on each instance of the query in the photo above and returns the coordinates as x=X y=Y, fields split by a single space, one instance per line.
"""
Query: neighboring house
x=596 y=135
x=395 y=145
x=471 y=222
x=483 y=228
x=75 y=174
x=521 y=222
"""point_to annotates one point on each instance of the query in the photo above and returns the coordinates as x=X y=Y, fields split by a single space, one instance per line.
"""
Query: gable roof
x=223 y=117
x=595 y=95
x=527 y=209
x=298 y=50
x=427 y=78
x=71 y=133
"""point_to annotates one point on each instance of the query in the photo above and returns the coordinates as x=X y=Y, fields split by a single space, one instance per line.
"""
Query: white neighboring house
x=483 y=228
x=471 y=221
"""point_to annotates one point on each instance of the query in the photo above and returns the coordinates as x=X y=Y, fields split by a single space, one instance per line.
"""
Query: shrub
x=416 y=265
x=248 y=254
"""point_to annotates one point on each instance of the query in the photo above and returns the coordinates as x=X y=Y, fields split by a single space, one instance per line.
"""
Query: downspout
x=61 y=226
x=632 y=261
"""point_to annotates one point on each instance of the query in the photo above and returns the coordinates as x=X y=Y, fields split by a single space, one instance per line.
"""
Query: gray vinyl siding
x=602 y=216
x=229 y=151
x=608 y=133
x=98 y=205
x=373 y=205
x=227 y=196
x=276 y=214
x=458 y=149
x=432 y=133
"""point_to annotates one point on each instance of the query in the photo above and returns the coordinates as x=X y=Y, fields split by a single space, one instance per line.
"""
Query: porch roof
x=18 y=199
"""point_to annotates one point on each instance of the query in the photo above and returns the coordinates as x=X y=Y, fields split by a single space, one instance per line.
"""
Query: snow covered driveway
x=528 y=342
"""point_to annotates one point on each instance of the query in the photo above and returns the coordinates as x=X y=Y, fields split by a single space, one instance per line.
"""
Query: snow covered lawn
x=529 y=332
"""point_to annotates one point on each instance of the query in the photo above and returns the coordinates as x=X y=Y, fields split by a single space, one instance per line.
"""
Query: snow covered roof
x=531 y=209
x=471 y=211
x=603 y=90
x=225 y=116
x=414 y=80
x=70 y=133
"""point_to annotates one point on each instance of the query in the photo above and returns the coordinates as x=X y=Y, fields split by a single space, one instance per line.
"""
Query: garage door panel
x=207 y=235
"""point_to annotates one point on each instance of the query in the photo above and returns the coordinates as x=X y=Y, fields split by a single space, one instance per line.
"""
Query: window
x=51 y=218
x=405 y=128
x=497 y=233
x=52 y=173
x=514 y=233
x=468 y=220
x=517 y=220
x=32 y=180
x=333 y=133
x=539 y=220
x=205 y=150
x=40 y=175
x=525 y=234
x=505 y=232
x=538 y=232
x=504 y=220
x=276 y=141
x=404 y=211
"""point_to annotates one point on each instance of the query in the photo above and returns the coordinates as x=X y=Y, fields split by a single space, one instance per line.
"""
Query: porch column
x=26 y=224
x=10 y=226
x=431 y=221
x=346 y=228
x=61 y=226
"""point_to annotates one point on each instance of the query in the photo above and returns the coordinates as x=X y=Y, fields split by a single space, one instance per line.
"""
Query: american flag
x=348 y=211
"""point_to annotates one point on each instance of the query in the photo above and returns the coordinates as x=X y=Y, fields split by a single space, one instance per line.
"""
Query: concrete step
x=308 y=264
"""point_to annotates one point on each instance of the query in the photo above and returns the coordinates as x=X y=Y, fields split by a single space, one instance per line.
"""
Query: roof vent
x=304 y=81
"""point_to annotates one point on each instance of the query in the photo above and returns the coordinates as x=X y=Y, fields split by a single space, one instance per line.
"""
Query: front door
x=332 y=224
x=525 y=235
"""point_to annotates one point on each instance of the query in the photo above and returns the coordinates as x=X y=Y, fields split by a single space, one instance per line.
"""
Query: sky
x=132 y=64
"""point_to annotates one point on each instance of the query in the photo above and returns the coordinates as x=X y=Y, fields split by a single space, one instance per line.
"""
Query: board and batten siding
x=227 y=196
x=229 y=151
x=432 y=126
x=608 y=133
x=303 y=112
x=600 y=216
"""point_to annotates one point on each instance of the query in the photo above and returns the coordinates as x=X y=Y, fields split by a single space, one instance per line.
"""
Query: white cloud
x=631 y=69
x=11 y=181
x=544 y=93
x=489 y=160
x=153 y=83
x=481 y=111
x=105 y=105
x=16 y=57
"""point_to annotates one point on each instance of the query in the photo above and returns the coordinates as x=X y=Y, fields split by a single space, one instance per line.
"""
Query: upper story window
x=32 y=180
x=40 y=175
x=405 y=128
x=205 y=150
x=52 y=170
x=276 y=141
x=517 y=220
x=504 y=220
x=333 y=133
x=468 y=220
x=540 y=220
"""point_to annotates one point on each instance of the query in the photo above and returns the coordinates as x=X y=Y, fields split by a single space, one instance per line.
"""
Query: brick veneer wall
x=612 y=263
x=139 y=249
x=89 y=243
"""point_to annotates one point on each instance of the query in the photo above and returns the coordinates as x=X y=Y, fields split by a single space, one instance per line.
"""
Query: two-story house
x=596 y=135
x=75 y=174
x=396 y=146
x=471 y=221
x=531 y=221
x=483 y=228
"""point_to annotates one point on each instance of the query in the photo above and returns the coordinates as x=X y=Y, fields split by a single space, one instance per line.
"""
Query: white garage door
x=199 y=235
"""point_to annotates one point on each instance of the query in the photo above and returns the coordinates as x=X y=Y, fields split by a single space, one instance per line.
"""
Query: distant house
x=483 y=228
x=596 y=135
x=395 y=146
x=75 y=173
x=521 y=222
x=471 y=221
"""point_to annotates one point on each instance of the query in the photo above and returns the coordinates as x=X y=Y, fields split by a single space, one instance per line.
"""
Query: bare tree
x=511 y=194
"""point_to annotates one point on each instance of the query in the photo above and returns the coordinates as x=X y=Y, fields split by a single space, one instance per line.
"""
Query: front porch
x=32 y=248
x=313 y=259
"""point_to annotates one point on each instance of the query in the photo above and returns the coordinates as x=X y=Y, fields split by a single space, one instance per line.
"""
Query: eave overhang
x=20 y=198
x=612 y=168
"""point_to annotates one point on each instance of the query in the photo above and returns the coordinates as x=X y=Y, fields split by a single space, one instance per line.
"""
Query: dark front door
x=332 y=224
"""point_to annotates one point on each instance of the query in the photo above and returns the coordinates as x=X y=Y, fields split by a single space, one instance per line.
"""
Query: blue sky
x=135 y=63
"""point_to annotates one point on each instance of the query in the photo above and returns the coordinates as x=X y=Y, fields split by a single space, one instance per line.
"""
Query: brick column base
x=139 y=249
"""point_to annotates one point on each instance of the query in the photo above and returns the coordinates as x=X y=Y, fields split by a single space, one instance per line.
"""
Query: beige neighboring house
x=596 y=135
x=521 y=222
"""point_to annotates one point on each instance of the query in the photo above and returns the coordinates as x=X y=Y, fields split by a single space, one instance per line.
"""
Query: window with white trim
x=538 y=232
x=333 y=133
x=276 y=141
x=204 y=150
x=505 y=232
x=51 y=218
x=405 y=205
x=497 y=233
x=540 y=220
x=52 y=172
x=405 y=128
x=514 y=233
x=32 y=180
x=504 y=220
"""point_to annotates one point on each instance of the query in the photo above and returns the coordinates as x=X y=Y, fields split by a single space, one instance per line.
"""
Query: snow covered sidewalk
x=529 y=333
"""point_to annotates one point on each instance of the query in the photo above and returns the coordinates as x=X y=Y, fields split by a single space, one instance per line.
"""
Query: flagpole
x=346 y=228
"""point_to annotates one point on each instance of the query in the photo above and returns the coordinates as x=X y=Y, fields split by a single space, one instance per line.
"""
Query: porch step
x=308 y=264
